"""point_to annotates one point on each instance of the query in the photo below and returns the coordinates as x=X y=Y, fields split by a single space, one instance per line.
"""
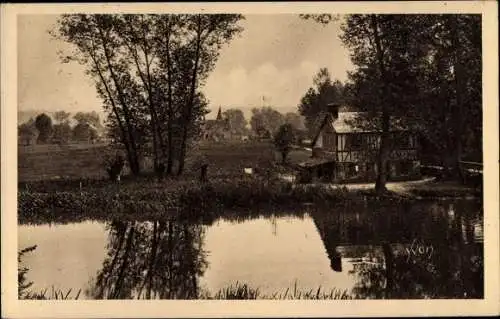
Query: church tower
x=219 y=114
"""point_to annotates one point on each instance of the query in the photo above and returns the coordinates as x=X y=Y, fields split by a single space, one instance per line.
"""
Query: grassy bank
x=190 y=200
x=444 y=189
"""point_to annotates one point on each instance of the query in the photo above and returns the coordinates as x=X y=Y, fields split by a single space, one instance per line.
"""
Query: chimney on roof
x=333 y=109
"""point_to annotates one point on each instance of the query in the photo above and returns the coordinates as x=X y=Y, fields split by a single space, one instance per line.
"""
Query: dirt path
x=397 y=187
x=402 y=187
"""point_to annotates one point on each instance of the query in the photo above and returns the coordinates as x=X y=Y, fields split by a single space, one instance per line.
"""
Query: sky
x=276 y=56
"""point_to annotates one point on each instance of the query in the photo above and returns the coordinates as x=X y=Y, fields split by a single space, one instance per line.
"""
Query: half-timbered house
x=345 y=150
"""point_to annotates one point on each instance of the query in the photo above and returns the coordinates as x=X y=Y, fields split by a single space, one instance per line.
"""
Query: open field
x=45 y=162
x=229 y=159
x=51 y=161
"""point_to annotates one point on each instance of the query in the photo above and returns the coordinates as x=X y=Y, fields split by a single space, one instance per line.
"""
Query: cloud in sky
x=44 y=83
x=276 y=56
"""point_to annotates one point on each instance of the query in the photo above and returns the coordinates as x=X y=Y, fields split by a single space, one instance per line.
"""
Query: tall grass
x=54 y=294
x=242 y=291
x=238 y=291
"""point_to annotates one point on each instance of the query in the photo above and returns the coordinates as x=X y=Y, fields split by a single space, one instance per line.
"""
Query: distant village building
x=342 y=151
x=217 y=130
x=27 y=135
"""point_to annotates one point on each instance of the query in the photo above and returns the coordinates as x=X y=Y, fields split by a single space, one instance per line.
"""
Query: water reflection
x=421 y=251
x=151 y=260
x=375 y=250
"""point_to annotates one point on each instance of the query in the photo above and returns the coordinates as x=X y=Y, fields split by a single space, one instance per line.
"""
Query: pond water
x=424 y=250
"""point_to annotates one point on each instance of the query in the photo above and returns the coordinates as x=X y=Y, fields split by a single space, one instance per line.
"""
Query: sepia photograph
x=224 y=155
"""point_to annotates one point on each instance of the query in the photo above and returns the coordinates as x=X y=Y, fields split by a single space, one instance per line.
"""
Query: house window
x=351 y=169
x=354 y=142
x=406 y=167
x=329 y=141
x=413 y=141
x=340 y=142
x=402 y=141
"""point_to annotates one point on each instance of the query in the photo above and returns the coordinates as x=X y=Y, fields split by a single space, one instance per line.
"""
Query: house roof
x=352 y=122
x=346 y=123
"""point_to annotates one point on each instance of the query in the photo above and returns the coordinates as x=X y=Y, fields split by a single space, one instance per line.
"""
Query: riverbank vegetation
x=189 y=199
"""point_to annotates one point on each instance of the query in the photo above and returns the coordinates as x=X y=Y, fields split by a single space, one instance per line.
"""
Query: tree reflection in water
x=379 y=249
x=154 y=260
x=165 y=259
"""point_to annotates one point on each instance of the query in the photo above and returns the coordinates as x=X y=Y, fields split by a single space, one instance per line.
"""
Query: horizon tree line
x=58 y=129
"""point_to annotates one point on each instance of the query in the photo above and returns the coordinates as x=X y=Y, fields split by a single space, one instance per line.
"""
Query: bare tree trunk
x=383 y=157
x=157 y=134
x=124 y=139
x=154 y=121
x=134 y=163
x=384 y=139
x=190 y=104
x=170 y=114
x=459 y=88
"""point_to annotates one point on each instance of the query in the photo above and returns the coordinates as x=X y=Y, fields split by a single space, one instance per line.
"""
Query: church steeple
x=219 y=114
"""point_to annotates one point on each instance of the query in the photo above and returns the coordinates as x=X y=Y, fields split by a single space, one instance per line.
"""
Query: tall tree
x=388 y=55
x=295 y=120
x=43 y=124
x=236 y=119
x=138 y=38
x=266 y=119
x=84 y=132
x=91 y=118
x=61 y=116
x=62 y=132
x=316 y=98
x=453 y=91
x=207 y=33
x=99 y=48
